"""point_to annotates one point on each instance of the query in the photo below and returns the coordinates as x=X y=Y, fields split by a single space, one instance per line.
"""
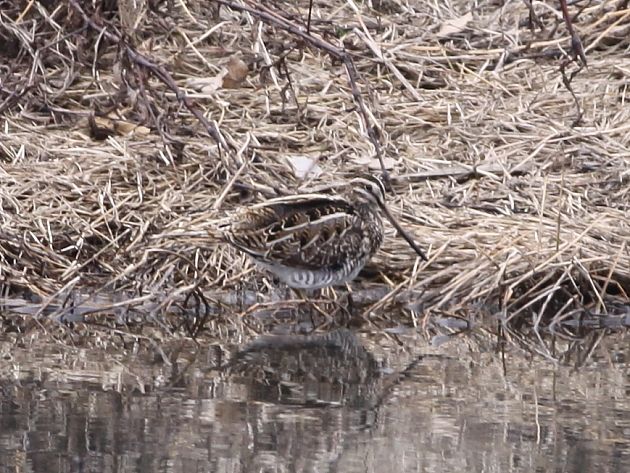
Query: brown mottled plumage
x=311 y=241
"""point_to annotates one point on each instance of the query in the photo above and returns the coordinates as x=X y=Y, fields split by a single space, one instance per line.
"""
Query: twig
x=310 y=14
x=577 y=49
x=577 y=56
x=533 y=18
x=158 y=71
x=461 y=173
x=275 y=19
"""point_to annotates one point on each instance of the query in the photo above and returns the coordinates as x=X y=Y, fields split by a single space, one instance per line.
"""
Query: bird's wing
x=309 y=232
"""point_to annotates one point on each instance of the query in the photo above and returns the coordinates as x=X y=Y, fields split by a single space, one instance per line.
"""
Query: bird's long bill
x=403 y=233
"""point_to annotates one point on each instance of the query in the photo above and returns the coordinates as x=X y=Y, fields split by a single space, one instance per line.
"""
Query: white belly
x=313 y=279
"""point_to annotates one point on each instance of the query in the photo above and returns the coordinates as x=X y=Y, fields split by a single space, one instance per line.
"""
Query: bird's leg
x=350 y=301
x=302 y=296
x=338 y=304
x=323 y=312
x=313 y=307
x=349 y=307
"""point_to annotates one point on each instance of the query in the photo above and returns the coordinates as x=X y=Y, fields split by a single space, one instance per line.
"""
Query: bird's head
x=368 y=189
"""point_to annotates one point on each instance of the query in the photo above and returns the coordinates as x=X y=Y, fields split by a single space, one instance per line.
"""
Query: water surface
x=342 y=402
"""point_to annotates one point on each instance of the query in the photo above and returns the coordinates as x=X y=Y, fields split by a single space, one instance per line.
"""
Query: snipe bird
x=311 y=241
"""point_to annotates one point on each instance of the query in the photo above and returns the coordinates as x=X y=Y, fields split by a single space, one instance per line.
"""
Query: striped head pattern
x=369 y=189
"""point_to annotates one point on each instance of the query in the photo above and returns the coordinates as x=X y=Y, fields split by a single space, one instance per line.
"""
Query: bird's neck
x=366 y=209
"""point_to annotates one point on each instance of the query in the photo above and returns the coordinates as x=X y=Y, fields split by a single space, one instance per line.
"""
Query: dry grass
x=109 y=184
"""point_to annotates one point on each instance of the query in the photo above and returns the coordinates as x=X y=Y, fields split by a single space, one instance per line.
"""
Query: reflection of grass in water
x=526 y=217
x=462 y=404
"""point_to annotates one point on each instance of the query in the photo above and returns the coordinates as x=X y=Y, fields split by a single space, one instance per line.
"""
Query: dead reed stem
x=108 y=185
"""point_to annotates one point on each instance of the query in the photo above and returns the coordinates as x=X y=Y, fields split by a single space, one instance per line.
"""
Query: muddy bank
x=111 y=184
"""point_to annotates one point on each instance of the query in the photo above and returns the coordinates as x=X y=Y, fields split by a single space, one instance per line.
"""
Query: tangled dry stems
x=109 y=184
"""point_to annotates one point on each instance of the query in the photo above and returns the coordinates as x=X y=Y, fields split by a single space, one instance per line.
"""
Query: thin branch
x=577 y=49
x=577 y=56
x=273 y=18
x=158 y=71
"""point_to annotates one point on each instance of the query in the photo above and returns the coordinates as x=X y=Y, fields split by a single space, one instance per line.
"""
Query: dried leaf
x=110 y=126
x=104 y=122
x=127 y=128
x=453 y=323
x=237 y=72
x=454 y=25
x=439 y=340
x=304 y=166
x=100 y=128
x=206 y=85
x=388 y=163
x=213 y=83
x=230 y=77
x=361 y=160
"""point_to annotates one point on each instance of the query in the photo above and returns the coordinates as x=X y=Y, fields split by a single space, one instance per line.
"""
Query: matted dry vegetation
x=110 y=184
